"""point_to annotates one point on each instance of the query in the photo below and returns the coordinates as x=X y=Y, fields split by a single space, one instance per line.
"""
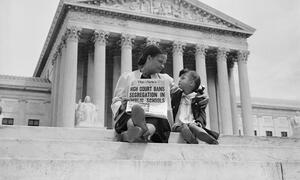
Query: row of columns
x=66 y=82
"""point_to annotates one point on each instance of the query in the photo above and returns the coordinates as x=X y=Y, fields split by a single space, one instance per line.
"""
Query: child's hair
x=194 y=77
x=151 y=50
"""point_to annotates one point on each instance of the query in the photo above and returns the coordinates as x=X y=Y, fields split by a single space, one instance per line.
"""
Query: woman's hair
x=193 y=75
x=151 y=50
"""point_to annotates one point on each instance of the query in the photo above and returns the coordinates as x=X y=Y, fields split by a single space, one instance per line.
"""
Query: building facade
x=91 y=43
x=25 y=101
x=273 y=117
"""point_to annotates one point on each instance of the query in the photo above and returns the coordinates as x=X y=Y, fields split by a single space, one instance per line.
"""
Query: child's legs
x=201 y=134
x=187 y=134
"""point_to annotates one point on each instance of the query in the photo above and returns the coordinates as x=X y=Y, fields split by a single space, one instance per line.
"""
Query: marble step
x=81 y=153
x=27 y=169
x=102 y=134
x=105 y=150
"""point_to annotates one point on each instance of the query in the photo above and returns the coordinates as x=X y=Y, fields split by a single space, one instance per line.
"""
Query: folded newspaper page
x=150 y=94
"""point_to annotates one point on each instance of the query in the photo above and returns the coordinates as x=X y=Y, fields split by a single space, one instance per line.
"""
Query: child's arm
x=199 y=104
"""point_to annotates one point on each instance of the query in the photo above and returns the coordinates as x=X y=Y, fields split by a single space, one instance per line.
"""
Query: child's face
x=185 y=83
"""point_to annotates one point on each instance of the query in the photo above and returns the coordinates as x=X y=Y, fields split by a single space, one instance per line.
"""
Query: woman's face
x=155 y=64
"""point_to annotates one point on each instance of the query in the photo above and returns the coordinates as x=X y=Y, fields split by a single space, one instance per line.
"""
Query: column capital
x=230 y=64
x=201 y=49
x=127 y=40
x=100 y=37
x=222 y=53
x=178 y=47
x=152 y=41
x=243 y=55
x=72 y=33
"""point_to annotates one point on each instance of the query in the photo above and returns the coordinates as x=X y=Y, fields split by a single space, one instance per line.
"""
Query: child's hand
x=198 y=124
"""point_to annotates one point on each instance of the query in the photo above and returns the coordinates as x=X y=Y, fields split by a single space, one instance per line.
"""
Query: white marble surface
x=84 y=153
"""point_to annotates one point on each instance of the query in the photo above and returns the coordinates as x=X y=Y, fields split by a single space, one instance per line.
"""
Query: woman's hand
x=124 y=104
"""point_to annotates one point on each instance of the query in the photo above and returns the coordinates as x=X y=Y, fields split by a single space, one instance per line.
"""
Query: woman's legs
x=138 y=130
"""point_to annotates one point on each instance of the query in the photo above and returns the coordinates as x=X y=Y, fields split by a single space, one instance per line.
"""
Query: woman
x=136 y=127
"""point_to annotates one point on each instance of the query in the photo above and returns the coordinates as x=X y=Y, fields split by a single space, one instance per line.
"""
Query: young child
x=188 y=105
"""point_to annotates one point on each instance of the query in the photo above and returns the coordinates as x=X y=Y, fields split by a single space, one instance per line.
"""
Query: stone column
x=90 y=75
x=225 y=112
x=245 y=93
x=126 y=52
x=201 y=70
x=99 y=75
x=54 y=84
x=235 y=122
x=58 y=105
x=66 y=117
x=177 y=59
x=116 y=70
x=213 y=106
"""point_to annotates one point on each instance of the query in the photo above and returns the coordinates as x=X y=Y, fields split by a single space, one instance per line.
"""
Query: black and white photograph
x=149 y=90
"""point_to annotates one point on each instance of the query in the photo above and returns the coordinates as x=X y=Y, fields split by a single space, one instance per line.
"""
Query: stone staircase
x=83 y=153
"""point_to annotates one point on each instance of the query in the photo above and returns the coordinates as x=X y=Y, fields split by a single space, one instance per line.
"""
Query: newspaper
x=150 y=94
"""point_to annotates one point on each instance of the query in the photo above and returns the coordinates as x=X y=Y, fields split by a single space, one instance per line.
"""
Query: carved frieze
x=178 y=9
x=85 y=17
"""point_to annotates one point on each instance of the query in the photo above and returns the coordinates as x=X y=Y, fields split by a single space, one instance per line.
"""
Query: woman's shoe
x=138 y=117
x=133 y=134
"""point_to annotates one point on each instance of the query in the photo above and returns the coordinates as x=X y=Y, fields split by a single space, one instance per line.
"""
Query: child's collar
x=190 y=95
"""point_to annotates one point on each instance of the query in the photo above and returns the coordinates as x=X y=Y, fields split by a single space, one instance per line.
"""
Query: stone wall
x=25 y=98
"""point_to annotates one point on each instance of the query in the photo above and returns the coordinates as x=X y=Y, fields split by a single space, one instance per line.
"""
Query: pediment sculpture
x=175 y=9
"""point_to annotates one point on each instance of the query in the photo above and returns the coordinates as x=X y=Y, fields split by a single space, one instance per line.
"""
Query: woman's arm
x=120 y=95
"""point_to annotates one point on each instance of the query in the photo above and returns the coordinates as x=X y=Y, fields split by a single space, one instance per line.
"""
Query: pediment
x=191 y=11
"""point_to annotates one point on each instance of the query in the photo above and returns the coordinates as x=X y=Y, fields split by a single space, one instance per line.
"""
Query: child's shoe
x=202 y=135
